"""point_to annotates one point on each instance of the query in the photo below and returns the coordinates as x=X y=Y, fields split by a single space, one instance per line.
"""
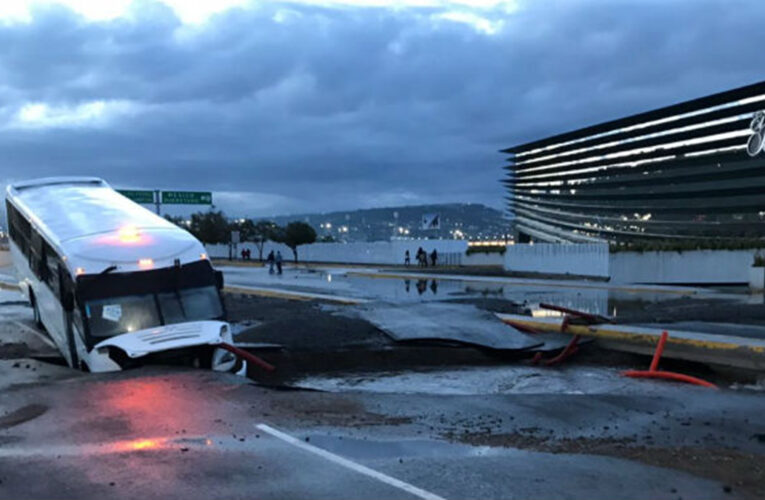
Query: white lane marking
x=392 y=481
x=42 y=336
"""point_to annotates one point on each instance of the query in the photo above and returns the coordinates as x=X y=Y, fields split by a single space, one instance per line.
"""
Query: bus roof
x=88 y=221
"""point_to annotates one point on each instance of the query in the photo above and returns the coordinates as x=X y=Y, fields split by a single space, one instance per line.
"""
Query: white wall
x=378 y=252
x=483 y=259
x=687 y=267
x=587 y=259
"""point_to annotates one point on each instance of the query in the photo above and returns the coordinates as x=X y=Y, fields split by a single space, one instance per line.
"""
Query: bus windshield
x=118 y=315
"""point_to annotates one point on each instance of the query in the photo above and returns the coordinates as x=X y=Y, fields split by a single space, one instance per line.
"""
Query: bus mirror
x=219 y=279
x=67 y=302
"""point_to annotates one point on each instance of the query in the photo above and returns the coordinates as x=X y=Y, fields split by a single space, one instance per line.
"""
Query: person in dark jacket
x=433 y=257
x=278 y=262
x=270 y=259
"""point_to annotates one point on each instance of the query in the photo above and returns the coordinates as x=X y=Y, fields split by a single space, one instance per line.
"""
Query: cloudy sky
x=294 y=106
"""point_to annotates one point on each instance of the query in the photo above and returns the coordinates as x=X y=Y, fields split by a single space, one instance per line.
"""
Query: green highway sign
x=186 y=198
x=138 y=196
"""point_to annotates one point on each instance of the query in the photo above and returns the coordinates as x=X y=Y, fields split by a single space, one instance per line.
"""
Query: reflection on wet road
x=590 y=297
x=196 y=434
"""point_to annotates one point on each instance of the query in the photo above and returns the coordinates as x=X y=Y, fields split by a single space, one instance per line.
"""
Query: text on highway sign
x=138 y=196
x=186 y=198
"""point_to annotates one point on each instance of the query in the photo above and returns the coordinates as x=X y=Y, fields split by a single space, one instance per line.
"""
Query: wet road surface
x=514 y=432
x=173 y=433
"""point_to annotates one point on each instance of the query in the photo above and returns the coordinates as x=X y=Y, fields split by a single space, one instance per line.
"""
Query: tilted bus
x=113 y=283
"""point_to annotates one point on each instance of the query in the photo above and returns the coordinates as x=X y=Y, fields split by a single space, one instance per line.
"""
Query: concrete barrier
x=590 y=259
x=686 y=267
x=450 y=252
x=485 y=259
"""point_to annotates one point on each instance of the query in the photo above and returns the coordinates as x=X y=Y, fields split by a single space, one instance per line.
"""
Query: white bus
x=114 y=284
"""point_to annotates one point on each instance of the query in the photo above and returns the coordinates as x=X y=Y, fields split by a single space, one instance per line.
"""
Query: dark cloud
x=312 y=108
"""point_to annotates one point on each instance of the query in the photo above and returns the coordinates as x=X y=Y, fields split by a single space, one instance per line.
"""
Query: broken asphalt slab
x=434 y=321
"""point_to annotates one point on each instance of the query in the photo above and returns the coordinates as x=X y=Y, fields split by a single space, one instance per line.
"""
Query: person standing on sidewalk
x=278 y=262
x=407 y=260
x=270 y=259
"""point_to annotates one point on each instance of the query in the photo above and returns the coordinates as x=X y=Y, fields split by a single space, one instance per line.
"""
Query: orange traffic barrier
x=653 y=371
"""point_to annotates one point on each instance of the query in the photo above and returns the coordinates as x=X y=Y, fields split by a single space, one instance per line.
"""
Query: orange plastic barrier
x=653 y=372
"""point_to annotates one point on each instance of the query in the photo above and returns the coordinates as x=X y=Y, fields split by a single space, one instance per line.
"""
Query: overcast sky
x=285 y=107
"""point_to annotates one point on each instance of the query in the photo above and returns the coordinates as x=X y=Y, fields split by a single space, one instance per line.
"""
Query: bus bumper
x=134 y=345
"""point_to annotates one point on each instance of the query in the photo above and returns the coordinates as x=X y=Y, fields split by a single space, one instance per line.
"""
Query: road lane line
x=42 y=337
x=361 y=469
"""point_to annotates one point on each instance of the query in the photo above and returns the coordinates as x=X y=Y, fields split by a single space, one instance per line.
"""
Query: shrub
x=687 y=245
x=486 y=249
x=759 y=260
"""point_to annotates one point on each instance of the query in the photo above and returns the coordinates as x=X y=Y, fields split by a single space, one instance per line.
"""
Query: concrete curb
x=727 y=350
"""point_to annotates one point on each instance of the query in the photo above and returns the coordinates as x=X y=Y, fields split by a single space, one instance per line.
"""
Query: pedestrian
x=420 y=261
x=278 y=262
x=406 y=258
x=244 y=253
x=433 y=257
x=270 y=259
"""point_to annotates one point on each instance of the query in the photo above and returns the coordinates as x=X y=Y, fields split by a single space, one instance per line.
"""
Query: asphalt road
x=166 y=433
x=174 y=433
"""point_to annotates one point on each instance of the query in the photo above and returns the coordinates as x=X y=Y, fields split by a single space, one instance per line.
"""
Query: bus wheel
x=36 y=311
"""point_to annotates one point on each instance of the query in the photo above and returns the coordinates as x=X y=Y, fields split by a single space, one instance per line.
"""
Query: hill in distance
x=465 y=220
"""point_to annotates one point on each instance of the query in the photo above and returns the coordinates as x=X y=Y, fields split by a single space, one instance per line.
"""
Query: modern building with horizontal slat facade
x=692 y=171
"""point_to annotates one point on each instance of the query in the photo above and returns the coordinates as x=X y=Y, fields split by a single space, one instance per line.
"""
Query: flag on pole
x=431 y=221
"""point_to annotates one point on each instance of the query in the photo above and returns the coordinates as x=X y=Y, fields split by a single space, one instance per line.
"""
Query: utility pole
x=157 y=200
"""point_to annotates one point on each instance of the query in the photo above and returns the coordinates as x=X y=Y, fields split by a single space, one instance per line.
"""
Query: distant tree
x=296 y=234
x=246 y=229
x=177 y=220
x=210 y=227
x=262 y=231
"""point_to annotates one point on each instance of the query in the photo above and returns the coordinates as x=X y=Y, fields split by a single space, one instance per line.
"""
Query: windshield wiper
x=107 y=270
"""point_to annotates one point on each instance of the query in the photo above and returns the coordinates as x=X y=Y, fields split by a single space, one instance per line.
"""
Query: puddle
x=607 y=302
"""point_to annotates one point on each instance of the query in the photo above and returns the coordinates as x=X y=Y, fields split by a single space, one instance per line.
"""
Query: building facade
x=692 y=171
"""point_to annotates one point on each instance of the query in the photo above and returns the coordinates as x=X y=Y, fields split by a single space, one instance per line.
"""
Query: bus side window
x=36 y=262
x=64 y=286
x=50 y=268
x=19 y=228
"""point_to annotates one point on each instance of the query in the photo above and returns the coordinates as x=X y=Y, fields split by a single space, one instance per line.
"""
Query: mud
x=13 y=350
x=315 y=338
x=739 y=472
x=301 y=325
x=23 y=414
